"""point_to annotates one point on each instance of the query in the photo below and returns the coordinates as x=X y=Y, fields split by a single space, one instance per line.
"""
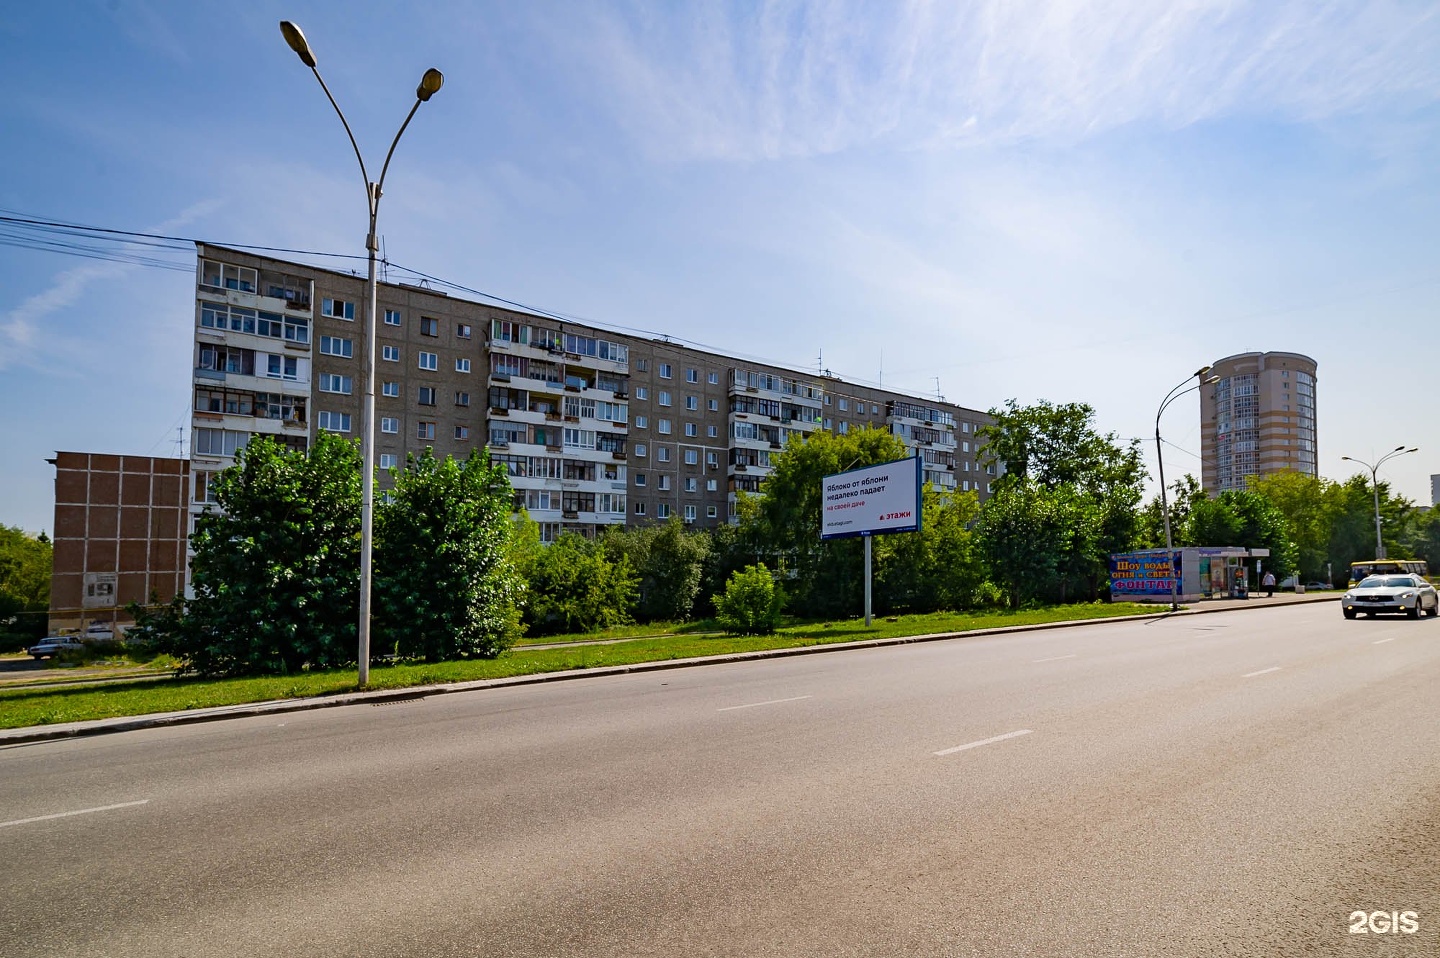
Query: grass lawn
x=21 y=707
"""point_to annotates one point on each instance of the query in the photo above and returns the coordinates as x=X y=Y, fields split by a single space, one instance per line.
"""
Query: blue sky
x=1048 y=200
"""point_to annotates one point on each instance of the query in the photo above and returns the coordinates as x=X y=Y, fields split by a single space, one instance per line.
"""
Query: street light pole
x=430 y=84
x=1173 y=395
x=1375 y=485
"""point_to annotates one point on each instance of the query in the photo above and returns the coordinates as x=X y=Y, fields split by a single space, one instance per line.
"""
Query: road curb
x=44 y=733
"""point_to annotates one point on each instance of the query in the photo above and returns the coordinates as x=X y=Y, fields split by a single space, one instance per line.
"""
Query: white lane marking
x=1383 y=641
x=1055 y=658
x=83 y=811
x=983 y=741
x=756 y=705
x=1251 y=675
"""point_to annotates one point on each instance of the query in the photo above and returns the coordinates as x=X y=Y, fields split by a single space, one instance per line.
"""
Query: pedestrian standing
x=1269 y=583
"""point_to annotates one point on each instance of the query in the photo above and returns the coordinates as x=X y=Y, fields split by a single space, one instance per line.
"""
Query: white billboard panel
x=871 y=500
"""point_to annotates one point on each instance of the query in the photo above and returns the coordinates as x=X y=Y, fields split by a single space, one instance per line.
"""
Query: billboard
x=871 y=500
x=1142 y=573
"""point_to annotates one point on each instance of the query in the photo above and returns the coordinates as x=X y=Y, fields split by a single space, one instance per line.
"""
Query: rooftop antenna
x=882 y=368
x=939 y=396
x=179 y=442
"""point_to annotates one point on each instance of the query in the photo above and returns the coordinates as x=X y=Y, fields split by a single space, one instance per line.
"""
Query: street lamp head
x=296 y=39
x=430 y=84
x=1399 y=449
x=1211 y=381
x=1348 y=459
x=1202 y=371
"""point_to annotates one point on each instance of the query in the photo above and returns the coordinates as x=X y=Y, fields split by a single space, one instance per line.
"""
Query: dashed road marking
x=1055 y=658
x=756 y=705
x=1251 y=675
x=983 y=741
x=82 y=811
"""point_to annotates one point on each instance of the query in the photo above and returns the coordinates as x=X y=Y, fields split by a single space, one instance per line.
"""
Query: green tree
x=828 y=577
x=1242 y=518
x=733 y=546
x=275 y=575
x=575 y=587
x=939 y=567
x=670 y=562
x=1090 y=477
x=1025 y=532
x=445 y=584
x=751 y=602
x=26 y=562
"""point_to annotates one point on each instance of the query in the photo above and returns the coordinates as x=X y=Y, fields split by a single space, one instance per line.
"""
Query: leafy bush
x=751 y=603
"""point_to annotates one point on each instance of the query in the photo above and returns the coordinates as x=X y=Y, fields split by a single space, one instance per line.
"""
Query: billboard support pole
x=867 y=537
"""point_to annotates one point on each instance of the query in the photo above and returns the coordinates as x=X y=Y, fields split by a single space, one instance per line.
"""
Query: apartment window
x=827 y=424
x=333 y=421
x=281 y=367
x=965 y=485
x=390 y=389
x=642 y=365
x=692 y=485
x=692 y=457
x=639 y=508
x=641 y=392
x=331 y=383
x=640 y=450
x=462 y=399
x=222 y=276
x=427 y=395
x=844 y=428
x=388 y=460
x=827 y=400
x=713 y=379
x=664 y=398
x=429 y=361
x=965 y=445
x=336 y=346
x=689 y=513
x=692 y=375
x=337 y=309
x=692 y=402
x=424 y=430
x=665 y=371
x=219 y=442
x=662 y=453
x=640 y=479
x=662 y=510
x=642 y=422
x=391 y=354
x=712 y=459
x=712 y=432
x=663 y=483
x=392 y=317
x=711 y=512
x=429 y=327
x=462 y=432
x=710 y=486
x=389 y=424
x=663 y=426
x=844 y=405
x=692 y=429
x=462 y=365
x=462 y=331
x=713 y=405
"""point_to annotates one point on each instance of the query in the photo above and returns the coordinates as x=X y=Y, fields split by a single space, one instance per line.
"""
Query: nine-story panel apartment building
x=595 y=428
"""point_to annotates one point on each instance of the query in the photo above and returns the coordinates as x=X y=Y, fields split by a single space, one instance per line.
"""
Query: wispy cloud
x=800 y=78
x=19 y=343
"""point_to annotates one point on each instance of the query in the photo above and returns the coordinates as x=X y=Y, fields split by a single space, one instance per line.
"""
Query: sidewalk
x=40 y=733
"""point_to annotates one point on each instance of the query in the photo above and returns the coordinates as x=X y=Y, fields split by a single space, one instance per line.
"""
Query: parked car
x=1409 y=594
x=1309 y=586
x=52 y=645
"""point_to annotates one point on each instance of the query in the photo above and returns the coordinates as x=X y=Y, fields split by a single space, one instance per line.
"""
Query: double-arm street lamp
x=430 y=83
x=1173 y=395
x=1375 y=483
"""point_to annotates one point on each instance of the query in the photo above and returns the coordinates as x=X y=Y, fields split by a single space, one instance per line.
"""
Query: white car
x=51 y=645
x=1409 y=594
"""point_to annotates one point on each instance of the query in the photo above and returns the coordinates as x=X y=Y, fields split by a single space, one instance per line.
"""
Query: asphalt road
x=1231 y=784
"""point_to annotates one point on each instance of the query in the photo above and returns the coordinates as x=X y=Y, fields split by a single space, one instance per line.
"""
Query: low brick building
x=120 y=535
